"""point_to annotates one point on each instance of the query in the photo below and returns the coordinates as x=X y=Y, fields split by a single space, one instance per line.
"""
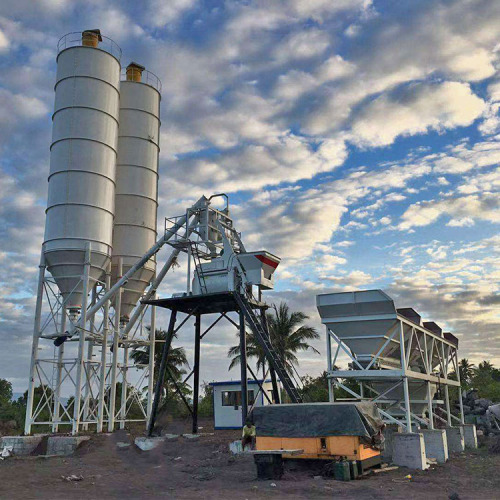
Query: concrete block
x=64 y=445
x=389 y=432
x=409 y=450
x=148 y=443
x=470 y=435
x=455 y=437
x=436 y=444
x=21 y=445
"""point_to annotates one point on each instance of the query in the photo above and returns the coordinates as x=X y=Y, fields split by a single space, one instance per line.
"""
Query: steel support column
x=152 y=350
x=114 y=361
x=406 y=390
x=161 y=371
x=447 y=403
x=196 y=379
x=429 y=402
x=81 y=341
x=34 y=345
x=460 y=402
x=60 y=356
x=243 y=365
x=104 y=352
x=331 y=396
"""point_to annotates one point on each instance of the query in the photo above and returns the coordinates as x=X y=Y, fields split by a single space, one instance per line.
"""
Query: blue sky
x=359 y=140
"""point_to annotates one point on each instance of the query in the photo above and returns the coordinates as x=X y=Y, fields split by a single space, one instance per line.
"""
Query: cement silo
x=136 y=181
x=80 y=206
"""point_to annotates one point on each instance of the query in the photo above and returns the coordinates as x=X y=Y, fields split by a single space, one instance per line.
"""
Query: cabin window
x=233 y=398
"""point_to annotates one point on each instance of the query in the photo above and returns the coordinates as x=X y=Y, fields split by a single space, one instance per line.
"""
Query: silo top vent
x=134 y=72
x=91 y=38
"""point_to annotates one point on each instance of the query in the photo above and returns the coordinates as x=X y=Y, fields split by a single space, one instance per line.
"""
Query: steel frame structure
x=220 y=304
x=94 y=381
x=411 y=344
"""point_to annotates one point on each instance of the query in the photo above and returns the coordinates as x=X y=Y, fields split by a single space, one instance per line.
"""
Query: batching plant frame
x=94 y=382
x=91 y=382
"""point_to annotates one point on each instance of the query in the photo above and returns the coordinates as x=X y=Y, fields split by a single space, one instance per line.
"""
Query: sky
x=358 y=140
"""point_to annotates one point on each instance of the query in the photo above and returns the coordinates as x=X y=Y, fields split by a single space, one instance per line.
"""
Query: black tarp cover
x=318 y=420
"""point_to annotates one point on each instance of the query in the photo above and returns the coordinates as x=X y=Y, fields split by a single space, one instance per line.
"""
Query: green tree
x=288 y=336
x=5 y=392
x=176 y=360
x=206 y=404
x=466 y=371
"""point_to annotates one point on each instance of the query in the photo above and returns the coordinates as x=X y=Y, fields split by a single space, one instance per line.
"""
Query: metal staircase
x=262 y=338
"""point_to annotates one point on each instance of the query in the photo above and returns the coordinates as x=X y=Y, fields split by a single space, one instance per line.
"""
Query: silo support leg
x=34 y=346
x=57 y=389
x=114 y=362
x=81 y=342
x=104 y=349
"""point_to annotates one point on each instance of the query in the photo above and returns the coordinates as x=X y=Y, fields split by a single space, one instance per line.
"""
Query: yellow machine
x=324 y=431
x=327 y=448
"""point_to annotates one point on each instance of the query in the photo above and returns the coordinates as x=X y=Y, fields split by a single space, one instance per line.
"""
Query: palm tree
x=287 y=334
x=176 y=361
x=466 y=371
x=484 y=367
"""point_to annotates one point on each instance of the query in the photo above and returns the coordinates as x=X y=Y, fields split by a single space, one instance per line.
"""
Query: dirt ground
x=204 y=469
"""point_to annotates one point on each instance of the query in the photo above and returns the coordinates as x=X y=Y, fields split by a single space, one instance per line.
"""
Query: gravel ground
x=204 y=468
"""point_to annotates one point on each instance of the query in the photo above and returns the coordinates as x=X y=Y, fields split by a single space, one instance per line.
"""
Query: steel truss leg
x=459 y=390
x=114 y=362
x=90 y=371
x=81 y=342
x=447 y=403
x=57 y=390
x=196 y=380
x=104 y=349
x=34 y=346
x=429 y=403
x=406 y=390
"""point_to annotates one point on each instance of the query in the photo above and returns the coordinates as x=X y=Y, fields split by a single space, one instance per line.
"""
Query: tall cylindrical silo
x=80 y=205
x=136 y=197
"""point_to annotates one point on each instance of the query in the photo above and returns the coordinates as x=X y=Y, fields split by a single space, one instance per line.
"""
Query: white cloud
x=161 y=13
x=417 y=109
x=463 y=222
x=474 y=207
x=353 y=280
x=4 y=41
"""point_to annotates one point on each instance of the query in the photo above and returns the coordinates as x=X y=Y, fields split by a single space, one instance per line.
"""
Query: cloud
x=160 y=13
x=485 y=207
x=353 y=280
x=416 y=109
x=4 y=41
